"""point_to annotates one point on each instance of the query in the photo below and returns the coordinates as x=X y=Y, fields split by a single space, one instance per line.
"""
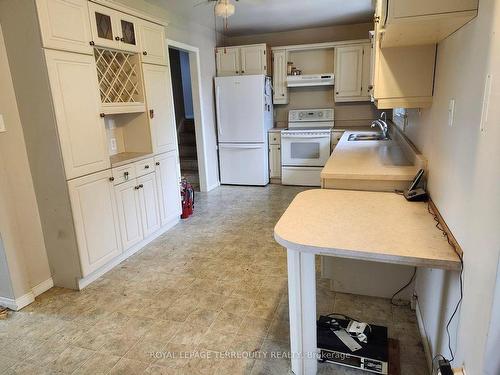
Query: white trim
x=213 y=186
x=199 y=120
x=310 y=46
x=42 y=287
x=82 y=283
x=423 y=337
x=18 y=303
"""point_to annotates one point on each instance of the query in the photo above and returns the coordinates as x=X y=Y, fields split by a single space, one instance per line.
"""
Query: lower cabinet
x=95 y=219
x=274 y=161
x=168 y=180
x=148 y=199
x=129 y=213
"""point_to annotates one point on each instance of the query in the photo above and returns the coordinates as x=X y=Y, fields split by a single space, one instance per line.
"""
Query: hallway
x=214 y=283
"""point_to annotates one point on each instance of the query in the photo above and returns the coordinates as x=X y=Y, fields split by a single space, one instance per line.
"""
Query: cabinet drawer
x=123 y=174
x=144 y=167
x=274 y=138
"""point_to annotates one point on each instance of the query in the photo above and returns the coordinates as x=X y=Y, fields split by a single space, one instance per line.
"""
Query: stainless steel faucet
x=382 y=125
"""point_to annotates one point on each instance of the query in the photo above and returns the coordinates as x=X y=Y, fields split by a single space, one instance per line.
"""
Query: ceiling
x=263 y=16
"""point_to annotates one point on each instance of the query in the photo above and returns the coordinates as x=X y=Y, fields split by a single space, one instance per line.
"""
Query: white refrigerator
x=244 y=116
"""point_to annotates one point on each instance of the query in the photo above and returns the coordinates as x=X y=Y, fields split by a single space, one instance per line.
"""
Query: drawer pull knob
x=111 y=179
x=92 y=43
x=144 y=53
x=136 y=187
x=146 y=167
x=151 y=113
x=117 y=38
x=157 y=163
x=102 y=115
x=141 y=186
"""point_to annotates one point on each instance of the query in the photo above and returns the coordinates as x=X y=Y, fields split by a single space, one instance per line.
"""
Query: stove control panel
x=310 y=115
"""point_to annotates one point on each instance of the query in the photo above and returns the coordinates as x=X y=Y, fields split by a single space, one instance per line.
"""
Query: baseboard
x=82 y=283
x=18 y=303
x=423 y=337
x=43 y=287
x=213 y=186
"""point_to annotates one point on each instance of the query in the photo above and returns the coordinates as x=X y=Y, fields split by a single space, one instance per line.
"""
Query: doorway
x=185 y=74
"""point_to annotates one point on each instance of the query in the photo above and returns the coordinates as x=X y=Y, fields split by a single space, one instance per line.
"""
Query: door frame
x=199 y=121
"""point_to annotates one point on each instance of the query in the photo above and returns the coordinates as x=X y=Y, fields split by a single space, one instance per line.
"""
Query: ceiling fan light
x=224 y=9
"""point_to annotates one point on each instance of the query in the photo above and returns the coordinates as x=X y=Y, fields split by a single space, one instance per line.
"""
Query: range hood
x=306 y=80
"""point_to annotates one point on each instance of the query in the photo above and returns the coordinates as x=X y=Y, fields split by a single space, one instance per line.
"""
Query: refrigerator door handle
x=256 y=146
x=217 y=103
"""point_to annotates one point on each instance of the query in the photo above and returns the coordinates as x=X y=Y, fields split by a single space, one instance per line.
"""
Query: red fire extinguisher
x=187 y=195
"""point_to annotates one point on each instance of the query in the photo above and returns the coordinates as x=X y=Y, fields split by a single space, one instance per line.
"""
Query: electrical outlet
x=451 y=112
x=2 y=124
x=112 y=142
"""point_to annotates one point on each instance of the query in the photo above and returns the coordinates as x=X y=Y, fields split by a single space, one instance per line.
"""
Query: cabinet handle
x=242 y=71
x=151 y=113
x=157 y=163
x=111 y=179
x=102 y=115
x=122 y=39
x=370 y=87
x=282 y=94
x=146 y=166
x=117 y=38
x=92 y=43
x=125 y=175
x=237 y=72
x=144 y=53
x=136 y=187
x=141 y=186
x=337 y=92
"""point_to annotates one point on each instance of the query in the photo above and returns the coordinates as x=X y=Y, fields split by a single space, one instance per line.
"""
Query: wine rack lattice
x=118 y=75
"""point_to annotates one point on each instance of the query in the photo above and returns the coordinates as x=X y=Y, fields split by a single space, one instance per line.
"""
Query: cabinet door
x=348 y=72
x=95 y=219
x=366 y=75
x=275 y=161
x=279 y=77
x=64 y=25
x=253 y=60
x=128 y=29
x=167 y=175
x=228 y=61
x=129 y=213
x=103 y=25
x=75 y=94
x=153 y=43
x=160 y=104
x=148 y=198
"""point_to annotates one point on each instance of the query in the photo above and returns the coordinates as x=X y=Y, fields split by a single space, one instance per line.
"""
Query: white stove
x=305 y=146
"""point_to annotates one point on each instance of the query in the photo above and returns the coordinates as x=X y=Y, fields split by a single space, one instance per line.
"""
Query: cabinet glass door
x=103 y=24
x=128 y=30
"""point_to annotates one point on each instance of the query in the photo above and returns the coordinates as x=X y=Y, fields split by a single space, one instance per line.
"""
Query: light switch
x=451 y=112
x=113 y=144
x=2 y=124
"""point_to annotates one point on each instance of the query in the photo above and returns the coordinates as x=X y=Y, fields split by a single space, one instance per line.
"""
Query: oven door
x=305 y=149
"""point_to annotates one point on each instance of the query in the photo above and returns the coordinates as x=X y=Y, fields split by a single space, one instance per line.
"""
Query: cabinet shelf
x=120 y=83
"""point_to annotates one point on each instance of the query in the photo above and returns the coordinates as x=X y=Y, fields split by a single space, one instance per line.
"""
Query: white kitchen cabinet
x=366 y=75
x=253 y=59
x=274 y=161
x=148 y=198
x=242 y=60
x=152 y=38
x=113 y=29
x=64 y=25
x=409 y=22
x=280 y=93
x=95 y=219
x=75 y=95
x=352 y=73
x=168 y=180
x=160 y=105
x=228 y=61
x=129 y=213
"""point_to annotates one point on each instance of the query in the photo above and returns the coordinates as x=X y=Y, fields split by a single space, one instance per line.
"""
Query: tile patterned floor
x=214 y=283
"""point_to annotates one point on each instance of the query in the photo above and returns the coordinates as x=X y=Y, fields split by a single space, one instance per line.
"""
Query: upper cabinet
x=64 y=25
x=160 y=107
x=153 y=48
x=352 y=67
x=113 y=29
x=242 y=60
x=75 y=95
x=280 y=92
x=410 y=22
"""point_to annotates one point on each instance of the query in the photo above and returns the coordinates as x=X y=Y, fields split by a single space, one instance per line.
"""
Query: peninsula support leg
x=302 y=305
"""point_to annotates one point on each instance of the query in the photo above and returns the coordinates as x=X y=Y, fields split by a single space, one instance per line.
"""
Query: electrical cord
x=403 y=288
x=457 y=306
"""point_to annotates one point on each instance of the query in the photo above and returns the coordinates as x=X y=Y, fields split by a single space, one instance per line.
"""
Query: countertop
x=372 y=226
x=369 y=160
x=128 y=157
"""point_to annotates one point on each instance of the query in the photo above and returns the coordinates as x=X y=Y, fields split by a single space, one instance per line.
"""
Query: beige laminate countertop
x=128 y=157
x=373 y=226
x=368 y=160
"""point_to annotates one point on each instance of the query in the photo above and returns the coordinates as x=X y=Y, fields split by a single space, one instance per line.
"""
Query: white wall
x=22 y=245
x=464 y=182
x=196 y=35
